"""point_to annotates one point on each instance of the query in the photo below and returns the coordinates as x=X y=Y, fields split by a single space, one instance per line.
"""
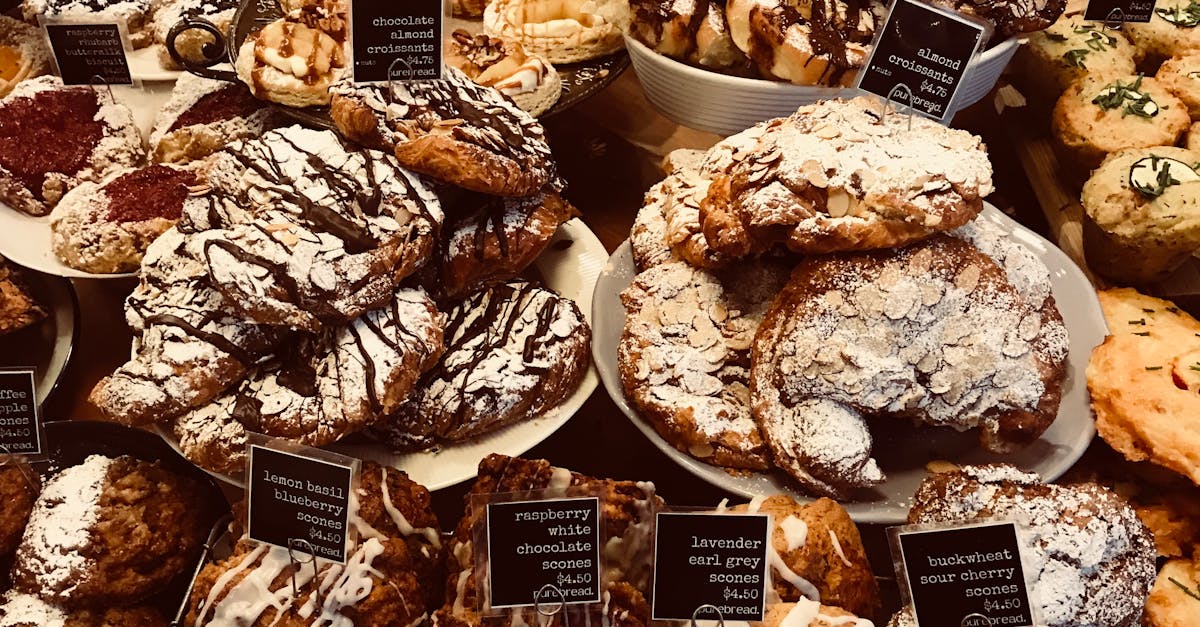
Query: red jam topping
x=156 y=191
x=52 y=131
x=226 y=103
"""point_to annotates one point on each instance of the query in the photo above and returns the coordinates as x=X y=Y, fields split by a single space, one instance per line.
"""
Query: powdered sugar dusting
x=27 y=610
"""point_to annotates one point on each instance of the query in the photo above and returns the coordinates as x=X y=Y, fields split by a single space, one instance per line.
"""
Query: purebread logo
x=89 y=54
x=396 y=41
x=20 y=424
x=717 y=562
x=544 y=553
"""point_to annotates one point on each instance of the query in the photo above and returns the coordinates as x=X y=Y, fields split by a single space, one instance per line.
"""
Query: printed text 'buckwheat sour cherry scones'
x=452 y=130
x=562 y=31
x=1090 y=559
x=1144 y=382
x=840 y=175
x=934 y=332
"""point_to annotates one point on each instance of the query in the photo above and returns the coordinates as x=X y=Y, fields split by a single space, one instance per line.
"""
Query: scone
x=1170 y=32
x=561 y=31
x=109 y=532
x=294 y=60
x=203 y=115
x=19 y=487
x=23 y=53
x=531 y=81
x=1090 y=557
x=934 y=333
x=27 y=610
x=1142 y=213
x=18 y=308
x=836 y=176
x=1143 y=381
x=1173 y=601
x=1181 y=76
x=1070 y=49
x=1101 y=114
x=452 y=130
x=105 y=229
x=513 y=352
x=684 y=356
x=54 y=137
x=816 y=551
x=134 y=14
x=190 y=44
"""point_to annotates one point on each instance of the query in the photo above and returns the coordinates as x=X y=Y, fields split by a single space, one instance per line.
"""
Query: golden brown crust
x=1169 y=604
x=19 y=487
x=466 y=165
x=357 y=122
x=18 y=309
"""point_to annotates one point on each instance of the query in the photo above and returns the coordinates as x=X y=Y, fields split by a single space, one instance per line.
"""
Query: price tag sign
x=300 y=497
x=923 y=50
x=84 y=52
x=535 y=544
x=20 y=424
x=1118 y=11
x=710 y=559
x=963 y=576
x=405 y=37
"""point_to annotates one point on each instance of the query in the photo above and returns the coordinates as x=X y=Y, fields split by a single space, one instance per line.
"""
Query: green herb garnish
x=1184 y=16
x=1129 y=98
x=1153 y=367
x=1074 y=58
x=1141 y=322
x=1143 y=333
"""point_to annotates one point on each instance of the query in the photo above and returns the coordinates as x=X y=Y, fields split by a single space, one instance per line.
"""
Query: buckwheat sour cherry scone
x=562 y=31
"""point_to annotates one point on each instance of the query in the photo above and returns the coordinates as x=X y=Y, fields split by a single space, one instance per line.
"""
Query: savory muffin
x=1181 y=76
x=1070 y=49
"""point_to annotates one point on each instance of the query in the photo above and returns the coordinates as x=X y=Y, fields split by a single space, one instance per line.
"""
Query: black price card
x=403 y=36
x=300 y=498
x=20 y=425
x=963 y=575
x=84 y=52
x=1118 y=11
x=925 y=49
x=535 y=544
x=710 y=559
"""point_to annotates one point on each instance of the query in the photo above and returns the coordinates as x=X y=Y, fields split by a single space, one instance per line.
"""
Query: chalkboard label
x=20 y=425
x=926 y=49
x=298 y=497
x=967 y=575
x=404 y=36
x=534 y=544
x=710 y=559
x=1118 y=11
x=84 y=52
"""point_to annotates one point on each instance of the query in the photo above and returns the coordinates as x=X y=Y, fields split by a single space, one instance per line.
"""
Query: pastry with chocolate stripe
x=513 y=352
x=203 y=115
x=54 y=137
x=331 y=228
x=452 y=130
x=320 y=388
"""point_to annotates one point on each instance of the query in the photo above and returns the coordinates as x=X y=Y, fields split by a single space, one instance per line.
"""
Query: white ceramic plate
x=46 y=346
x=570 y=266
x=26 y=239
x=902 y=450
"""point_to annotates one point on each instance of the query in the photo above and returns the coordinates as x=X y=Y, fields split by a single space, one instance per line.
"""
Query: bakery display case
x=541 y=285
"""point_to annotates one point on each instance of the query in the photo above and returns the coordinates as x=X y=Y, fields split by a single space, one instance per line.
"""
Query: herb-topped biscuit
x=1143 y=213
x=1098 y=115
x=1181 y=76
x=1172 y=30
x=1070 y=49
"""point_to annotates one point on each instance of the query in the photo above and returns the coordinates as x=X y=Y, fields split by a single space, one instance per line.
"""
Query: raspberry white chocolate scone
x=53 y=137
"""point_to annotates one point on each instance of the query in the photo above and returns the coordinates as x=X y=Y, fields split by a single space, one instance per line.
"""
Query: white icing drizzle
x=780 y=567
x=406 y=528
x=560 y=480
x=795 y=531
x=804 y=612
x=459 y=589
x=837 y=547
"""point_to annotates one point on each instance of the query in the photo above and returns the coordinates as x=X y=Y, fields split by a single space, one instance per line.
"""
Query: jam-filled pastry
x=190 y=44
x=18 y=307
x=331 y=228
x=320 y=388
x=1090 y=559
x=934 y=333
x=513 y=352
x=107 y=228
x=204 y=115
x=684 y=356
x=189 y=343
x=134 y=14
x=53 y=137
x=452 y=130
x=496 y=241
x=294 y=60
x=562 y=31
x=389 y=577
x=824 y=42
x=18 y=609
x=837 y=175
x=109 y=532
x=626 y=534
x=531 y=81
x=23 y=53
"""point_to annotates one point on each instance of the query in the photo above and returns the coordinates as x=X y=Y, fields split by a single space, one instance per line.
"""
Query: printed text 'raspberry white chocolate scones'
x=934 y=333
x=839 y=175
x=452 y=130
x=1090 y=558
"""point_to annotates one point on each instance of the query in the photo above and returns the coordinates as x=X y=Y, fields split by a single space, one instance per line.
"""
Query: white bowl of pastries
x=701 y=66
